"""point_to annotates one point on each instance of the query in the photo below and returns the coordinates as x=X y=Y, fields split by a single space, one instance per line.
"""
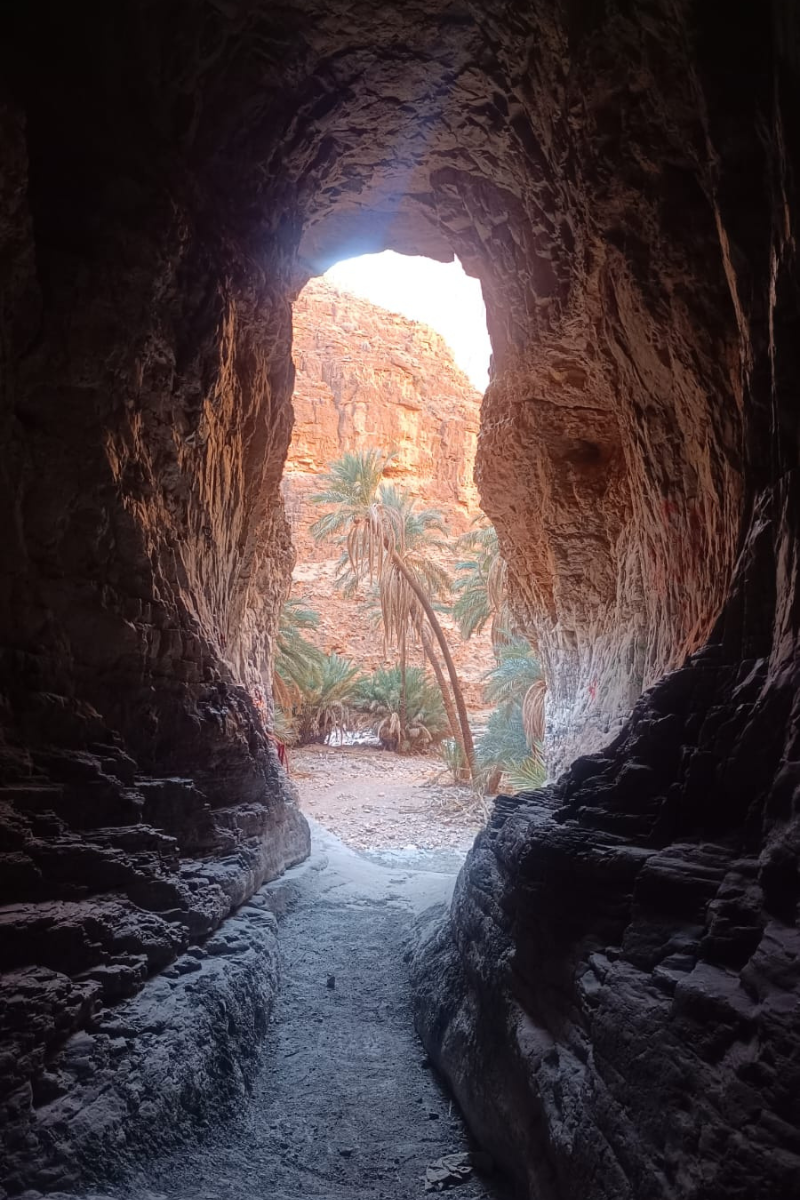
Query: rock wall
x=143 y=425
x=614 y=999
x=622 y=179
x=371 y=379
x=366 y=377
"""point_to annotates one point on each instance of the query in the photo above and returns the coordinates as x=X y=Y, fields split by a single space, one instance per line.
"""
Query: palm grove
x=391 y=555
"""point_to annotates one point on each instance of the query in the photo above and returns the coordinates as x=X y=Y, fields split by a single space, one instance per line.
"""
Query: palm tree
x=517 y=679
x=514 y=672
x=516 y=683
x=420 y=628
x=481 y=586
x=504 y=752
x=511 y=743
x=404 y=708
x=322 y=706
x=383 y=535
x=293 y=651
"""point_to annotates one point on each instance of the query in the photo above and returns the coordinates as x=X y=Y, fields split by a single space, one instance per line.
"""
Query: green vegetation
x=387 y=540
x=511 y=745
x=293 y=652
x=394 y=550
x=505 y=757
x=312 y=690
x=480 y=585
x=404 y=714
x=322 y=707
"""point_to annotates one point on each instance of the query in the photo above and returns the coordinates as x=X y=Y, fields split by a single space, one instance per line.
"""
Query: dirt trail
x=345 y=1105
x=375 y=800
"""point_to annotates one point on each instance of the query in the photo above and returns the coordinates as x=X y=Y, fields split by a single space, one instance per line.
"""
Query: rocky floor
x=345 y=1104
x=377 y=801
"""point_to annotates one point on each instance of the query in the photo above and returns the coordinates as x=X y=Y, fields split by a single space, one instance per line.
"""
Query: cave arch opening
x=154 y=251
x=391 y=355
x=617 y=512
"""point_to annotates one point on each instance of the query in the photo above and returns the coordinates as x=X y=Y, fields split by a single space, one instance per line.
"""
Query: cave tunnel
x=614 y=996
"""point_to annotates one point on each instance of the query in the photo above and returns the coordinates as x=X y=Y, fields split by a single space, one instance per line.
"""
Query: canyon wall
x=622 y=178
x=369 y=379
x=614 y=997
x=145 y=416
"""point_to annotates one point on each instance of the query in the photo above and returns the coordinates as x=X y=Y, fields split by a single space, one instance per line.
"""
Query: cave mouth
x=169 y=186
x=391 y=357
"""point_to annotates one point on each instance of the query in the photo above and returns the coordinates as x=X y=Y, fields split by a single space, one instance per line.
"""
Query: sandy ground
x=346 y=1105
x=375 y=800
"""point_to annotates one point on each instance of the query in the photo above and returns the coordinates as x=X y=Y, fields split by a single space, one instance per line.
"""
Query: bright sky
x=440 y=294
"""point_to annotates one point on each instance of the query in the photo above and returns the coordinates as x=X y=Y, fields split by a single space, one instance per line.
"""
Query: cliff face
x=367 y=379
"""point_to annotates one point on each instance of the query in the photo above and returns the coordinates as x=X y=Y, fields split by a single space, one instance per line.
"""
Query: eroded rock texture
x=172 y=1060
x=621 y=178
x=616 y=997
x=367 y=378
x=141 y=800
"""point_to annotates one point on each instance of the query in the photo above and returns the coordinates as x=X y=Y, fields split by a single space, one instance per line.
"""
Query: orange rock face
x=368 y=378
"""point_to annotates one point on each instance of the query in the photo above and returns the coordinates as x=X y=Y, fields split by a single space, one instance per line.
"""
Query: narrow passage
x=345 y=1104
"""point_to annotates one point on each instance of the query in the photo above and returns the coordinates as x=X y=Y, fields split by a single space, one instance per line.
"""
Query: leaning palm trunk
x=447 y=698
x=403 y=713
x=438 y=633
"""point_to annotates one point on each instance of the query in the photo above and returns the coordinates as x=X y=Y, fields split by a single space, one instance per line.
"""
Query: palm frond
x=503 y=741
x=533 y=712
x=527 y=775
x=505 y=754
x=481 y=587
x=381 y=698
x=386 y=540
x=515 y=671
x=295 y=655
x=323 y=706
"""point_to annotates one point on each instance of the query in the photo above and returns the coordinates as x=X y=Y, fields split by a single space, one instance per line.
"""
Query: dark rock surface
x=336 y=1100
x=615 y=996
x=107 y=878
x=623 y=179
x=172 y=1061
x=615 y=999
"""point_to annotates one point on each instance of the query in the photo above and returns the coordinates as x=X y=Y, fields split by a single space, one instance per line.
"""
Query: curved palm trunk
x=447 y=698
x=438 y=633
x=429 y=655
x=403 y=714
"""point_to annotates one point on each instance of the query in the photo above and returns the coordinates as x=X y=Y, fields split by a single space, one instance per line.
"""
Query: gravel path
x=376 y=801
x=345 y=1104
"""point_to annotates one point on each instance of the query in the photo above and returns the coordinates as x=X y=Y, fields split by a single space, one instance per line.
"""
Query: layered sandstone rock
x=369 y=379
x=623 y=180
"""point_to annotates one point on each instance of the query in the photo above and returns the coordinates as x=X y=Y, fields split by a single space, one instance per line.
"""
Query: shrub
x=504 y=754
x=322 y=704
x=379 y=699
